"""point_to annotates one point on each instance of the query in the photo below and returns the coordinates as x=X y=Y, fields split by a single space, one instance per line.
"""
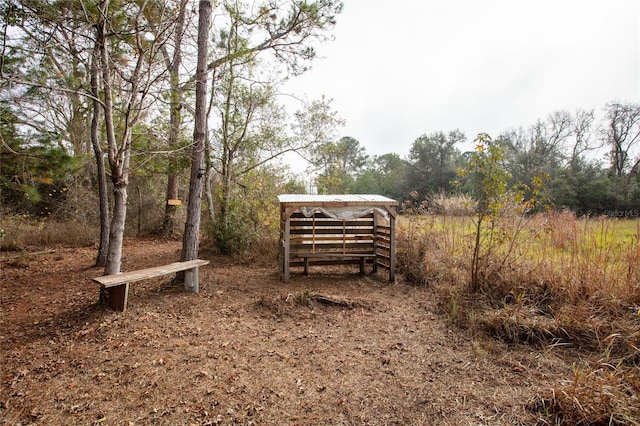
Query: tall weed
x=570 y=283
x=22 y=232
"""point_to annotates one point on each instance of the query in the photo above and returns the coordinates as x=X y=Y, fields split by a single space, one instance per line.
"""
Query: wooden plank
x=332 y=231
x=330 y=223
x=325 y=245
x=330 y=238
x=323 y=217
x=329 y=254
x=383 y=265
x=376 y=224
x=326 y=262
x=337 y=200
x=142 y=274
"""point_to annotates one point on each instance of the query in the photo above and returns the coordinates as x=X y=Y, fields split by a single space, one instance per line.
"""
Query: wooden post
x=118 y=297
x=191 y=281
x=286 y=240
x=375 y=242
x=281 y=245
x=392 y=247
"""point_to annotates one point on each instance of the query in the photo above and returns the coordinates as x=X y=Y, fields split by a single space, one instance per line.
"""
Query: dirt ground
x=247 y=349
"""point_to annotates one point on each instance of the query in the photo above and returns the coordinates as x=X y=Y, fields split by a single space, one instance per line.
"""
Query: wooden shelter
x=337 y=229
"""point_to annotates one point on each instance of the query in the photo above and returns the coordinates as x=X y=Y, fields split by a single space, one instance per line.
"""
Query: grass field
x=553 y=281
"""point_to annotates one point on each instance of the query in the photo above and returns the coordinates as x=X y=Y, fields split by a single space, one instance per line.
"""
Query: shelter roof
x=336 y=200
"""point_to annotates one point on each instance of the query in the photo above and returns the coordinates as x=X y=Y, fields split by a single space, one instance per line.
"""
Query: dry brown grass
x=571 y=285
x=21 y=232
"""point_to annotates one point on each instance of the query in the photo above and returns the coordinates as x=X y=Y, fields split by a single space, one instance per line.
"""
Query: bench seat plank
x=143 y=274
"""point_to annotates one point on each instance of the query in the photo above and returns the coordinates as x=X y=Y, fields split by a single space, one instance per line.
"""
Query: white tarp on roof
x=336 y=198
x=343 y=213
x=363 y=204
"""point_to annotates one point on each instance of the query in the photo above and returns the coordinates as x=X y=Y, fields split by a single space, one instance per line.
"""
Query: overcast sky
x=399 y=69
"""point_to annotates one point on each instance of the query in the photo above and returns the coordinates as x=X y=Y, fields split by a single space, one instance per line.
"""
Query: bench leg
x=306 y=266
x=191 y=282
x=118 y=296
x=362 y=263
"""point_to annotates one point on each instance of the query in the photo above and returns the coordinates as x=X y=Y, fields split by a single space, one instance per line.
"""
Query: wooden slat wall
x=320 y=234
x=383 y=246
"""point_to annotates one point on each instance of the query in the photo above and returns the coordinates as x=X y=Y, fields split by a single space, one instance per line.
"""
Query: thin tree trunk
x=101 y=258
x=192 y=225
x=207 y=183
x=119 y=158
x=139 y=209
x=116 y=234
x=170 y=221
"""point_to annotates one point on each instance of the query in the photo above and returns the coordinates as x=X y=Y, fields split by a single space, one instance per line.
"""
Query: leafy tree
x=127 y=72
x=190 y=237
x=284 y=32
x=384 y=175
x=338 y=164
x=252 y=202
x=495 y=239
x=33 y=174
x=583 y=187
x=433 y=160
x=251 y=133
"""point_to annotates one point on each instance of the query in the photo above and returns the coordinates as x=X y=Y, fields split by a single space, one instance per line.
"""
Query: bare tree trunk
x=170 y=222
x=207 y=182
x=101 y=258
x=192 y=225
x=139 y=209
x=209 y=194
x=116 y=234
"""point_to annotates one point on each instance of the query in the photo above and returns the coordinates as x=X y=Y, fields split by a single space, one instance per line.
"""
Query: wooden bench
x=117 y=285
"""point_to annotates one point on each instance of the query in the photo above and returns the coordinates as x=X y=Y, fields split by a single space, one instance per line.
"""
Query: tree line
x=587 y=165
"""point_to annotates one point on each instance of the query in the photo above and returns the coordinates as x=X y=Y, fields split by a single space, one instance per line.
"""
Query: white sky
x=400 y=68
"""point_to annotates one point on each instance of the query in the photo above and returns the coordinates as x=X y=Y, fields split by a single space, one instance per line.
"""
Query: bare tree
x=174 y=63
x=103 y=246
x=128 y=80
x=623 y=134
x=582 y=135
x=191 y=235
